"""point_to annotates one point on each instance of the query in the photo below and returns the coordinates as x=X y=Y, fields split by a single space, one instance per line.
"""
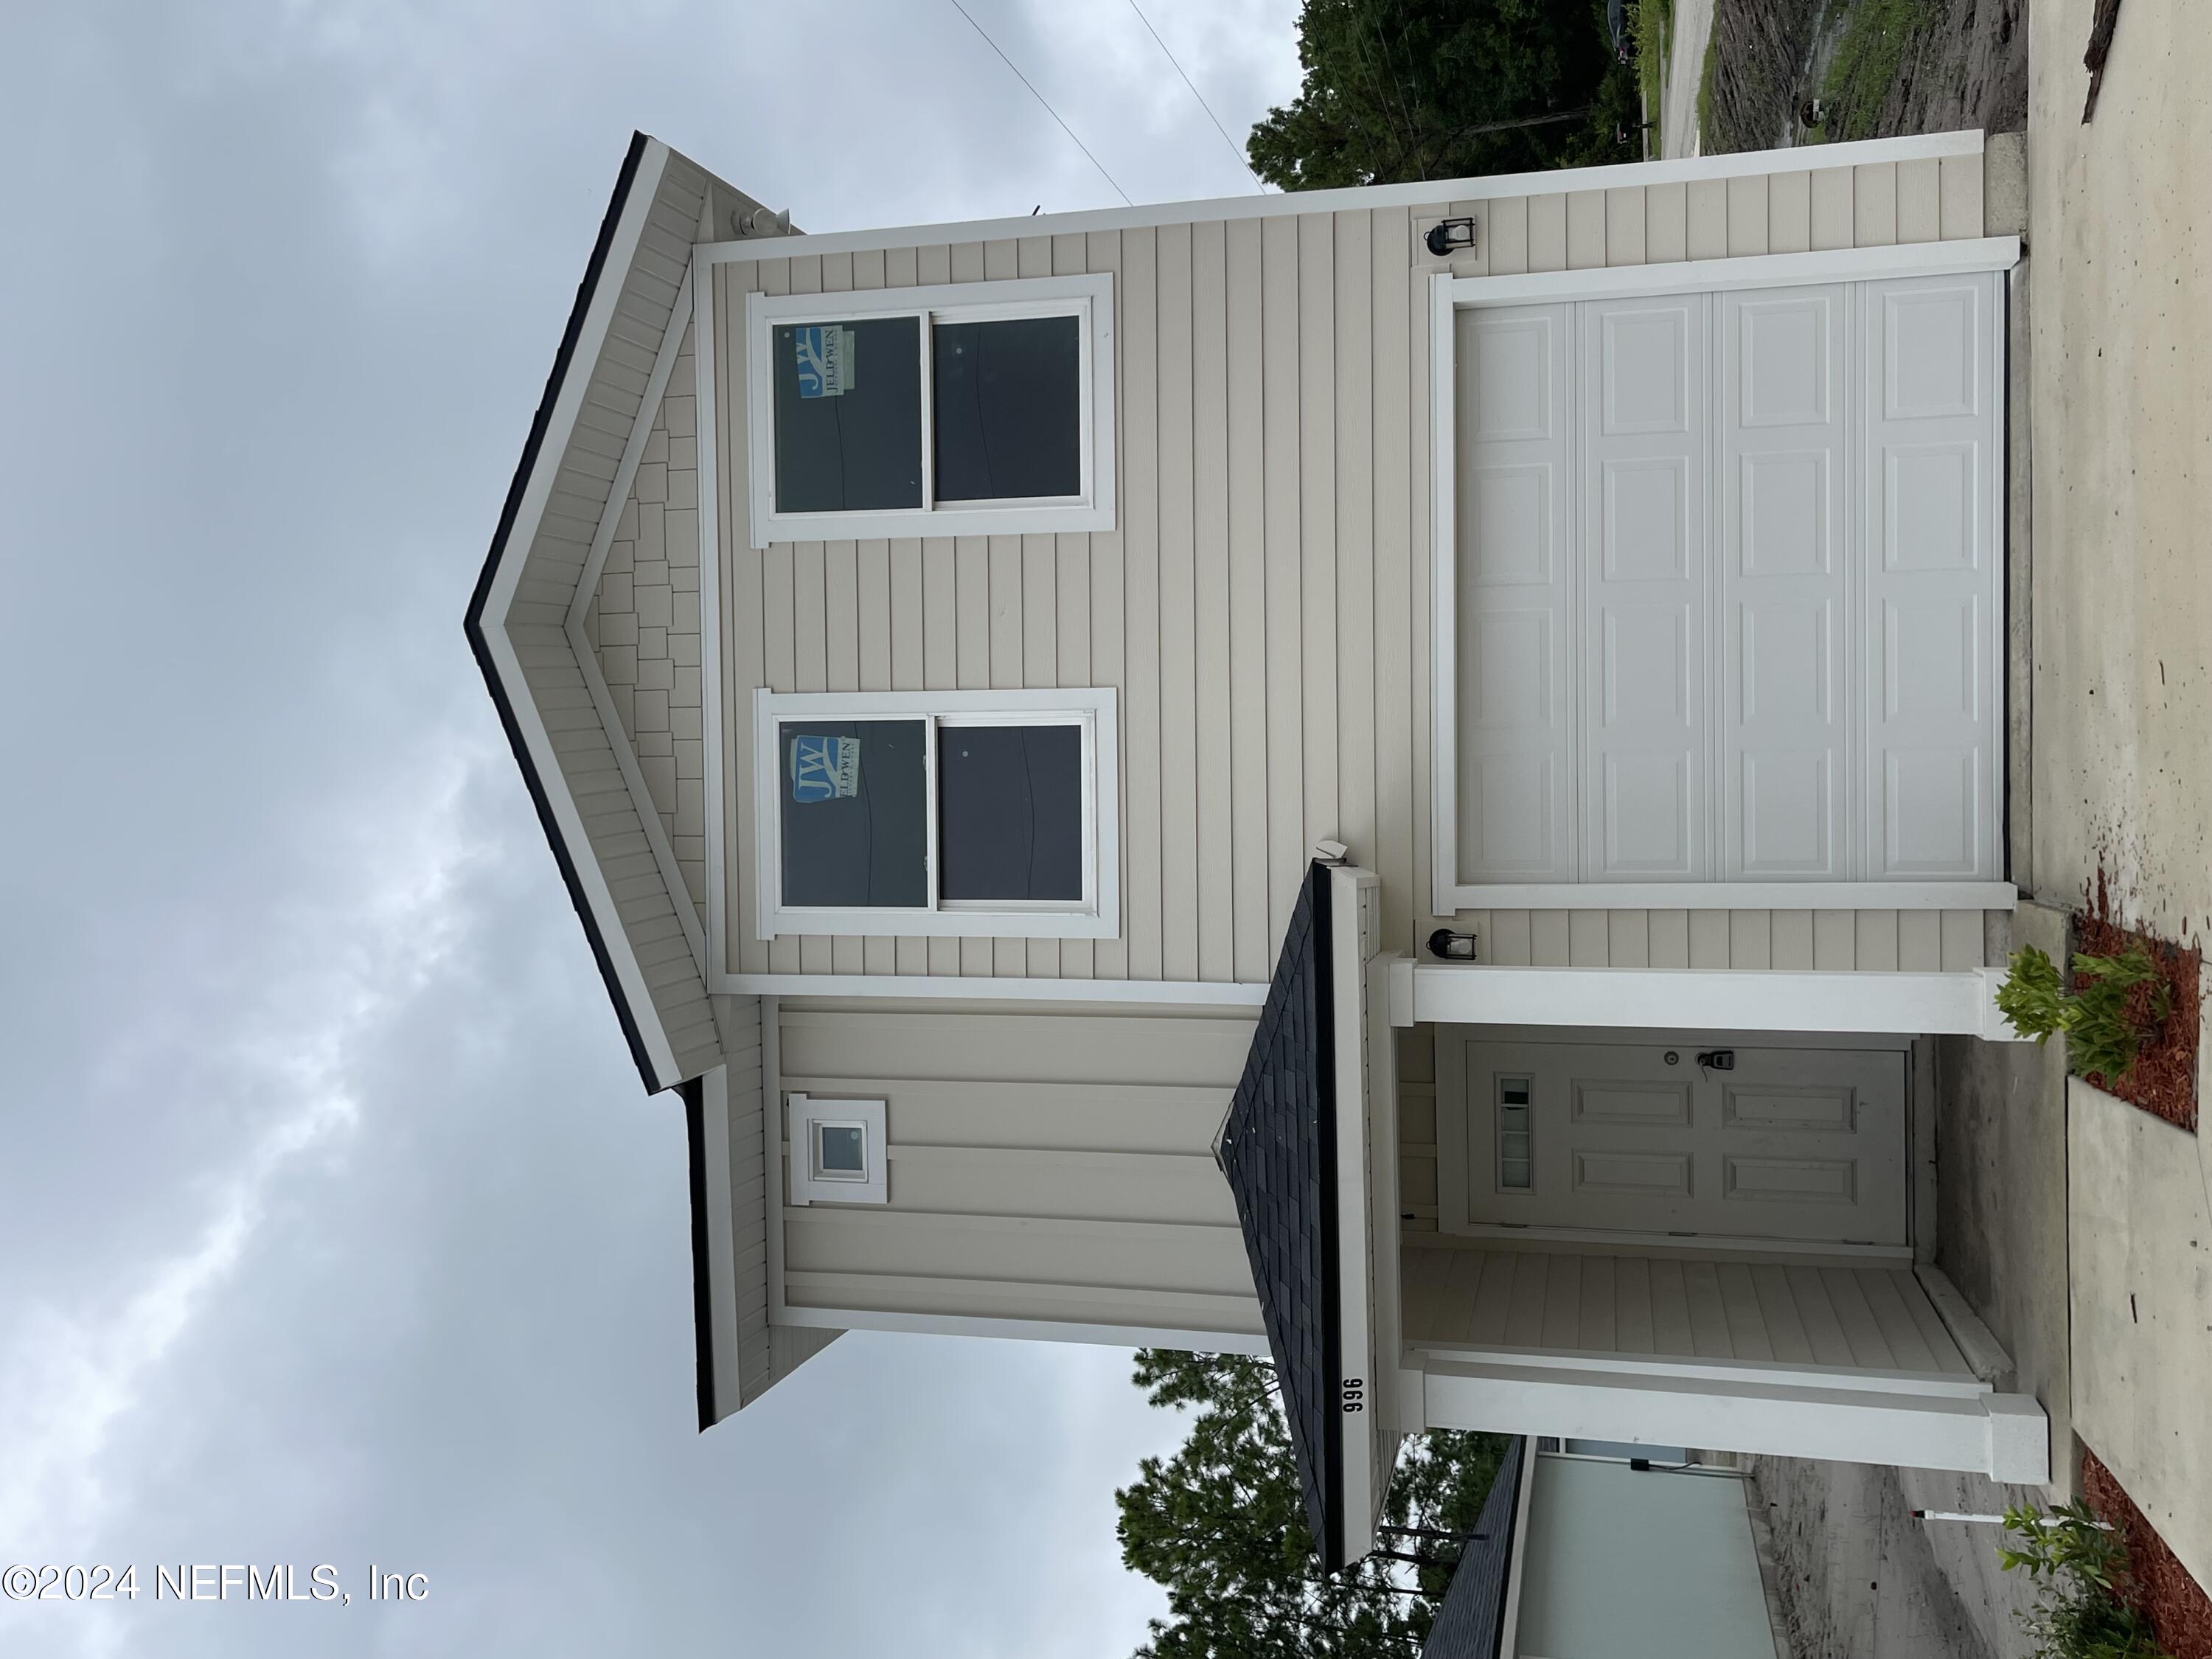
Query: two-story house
x=1395 y=777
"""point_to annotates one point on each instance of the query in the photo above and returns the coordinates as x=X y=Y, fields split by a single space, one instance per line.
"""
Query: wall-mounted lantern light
x=1449 y=236
x=1447 y=946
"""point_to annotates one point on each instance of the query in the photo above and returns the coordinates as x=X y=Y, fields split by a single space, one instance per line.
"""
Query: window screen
x=1010 y=822
x=855 y=812
x=1006 y=403
x=848 y=414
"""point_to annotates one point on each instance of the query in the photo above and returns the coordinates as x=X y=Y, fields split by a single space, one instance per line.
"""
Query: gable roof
x=1470 y=1624
x=523 y=617
x=1278 y=1150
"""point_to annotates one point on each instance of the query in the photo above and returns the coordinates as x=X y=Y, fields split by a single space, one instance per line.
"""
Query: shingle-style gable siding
x=1278 y=1150
x=1264 y=605
x=643 y=622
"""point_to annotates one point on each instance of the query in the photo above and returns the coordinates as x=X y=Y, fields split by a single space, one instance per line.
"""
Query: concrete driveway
x=2120 y=309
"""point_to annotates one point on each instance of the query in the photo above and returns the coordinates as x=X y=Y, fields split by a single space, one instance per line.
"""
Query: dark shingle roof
x=1278 y=1150
x=1471 y=1623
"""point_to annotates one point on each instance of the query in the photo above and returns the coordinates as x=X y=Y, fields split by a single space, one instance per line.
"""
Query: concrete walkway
x=1685 y=67
x=2120 y=307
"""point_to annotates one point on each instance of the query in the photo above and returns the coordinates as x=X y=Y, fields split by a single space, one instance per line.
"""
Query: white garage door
x=1729 y=593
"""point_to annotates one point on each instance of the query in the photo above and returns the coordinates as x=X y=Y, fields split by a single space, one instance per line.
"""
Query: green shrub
x=1867 y=59
x=2078 y=1565
x=2103 y=1035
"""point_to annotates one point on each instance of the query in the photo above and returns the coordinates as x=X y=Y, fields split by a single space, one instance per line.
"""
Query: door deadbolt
x=1673 y=1059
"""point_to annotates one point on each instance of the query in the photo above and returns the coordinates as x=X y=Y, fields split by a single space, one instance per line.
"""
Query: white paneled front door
x=1729 y=600
x=1675 y=1134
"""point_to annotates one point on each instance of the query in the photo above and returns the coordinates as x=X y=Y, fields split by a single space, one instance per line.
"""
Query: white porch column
x=2005 y=1437
x=1675 y=998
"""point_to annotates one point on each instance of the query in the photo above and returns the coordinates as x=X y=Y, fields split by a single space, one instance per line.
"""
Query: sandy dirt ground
x=1969 y=70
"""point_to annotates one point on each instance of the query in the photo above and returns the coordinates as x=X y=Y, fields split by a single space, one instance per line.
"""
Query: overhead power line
x=1039 y=96
x=1196 y=94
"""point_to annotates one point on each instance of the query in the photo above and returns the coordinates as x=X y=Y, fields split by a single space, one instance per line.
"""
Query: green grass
x=1876 y=38
x=1652 y=23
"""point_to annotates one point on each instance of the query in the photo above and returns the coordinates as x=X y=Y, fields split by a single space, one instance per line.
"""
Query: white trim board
x=722 y=1299
x=1945 y=1385
x=1448 y=295
x=590 y=876
x=1026 y=1330
x=712 y=690
x=2005 y=1437
x=1434 y=193
x=561 y=424
x=1853 y=264
x=625 y=751
x=1733 y=895
x=1673 y=998
x=1166 y=994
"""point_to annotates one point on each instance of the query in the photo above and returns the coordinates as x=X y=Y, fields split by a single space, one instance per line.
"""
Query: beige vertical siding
x=1263 y=604
x=1052 y=1167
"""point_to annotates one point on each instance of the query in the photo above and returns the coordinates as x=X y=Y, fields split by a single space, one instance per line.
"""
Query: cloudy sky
x=333 y=1227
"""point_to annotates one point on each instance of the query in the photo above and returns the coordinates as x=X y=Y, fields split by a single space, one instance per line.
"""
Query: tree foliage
x=1396 y=90
x=1222 y=1525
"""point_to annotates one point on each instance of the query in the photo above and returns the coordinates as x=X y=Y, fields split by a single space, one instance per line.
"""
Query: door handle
x=1717 y=1059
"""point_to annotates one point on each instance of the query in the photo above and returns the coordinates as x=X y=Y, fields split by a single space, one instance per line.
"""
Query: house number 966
x=1354 y=1393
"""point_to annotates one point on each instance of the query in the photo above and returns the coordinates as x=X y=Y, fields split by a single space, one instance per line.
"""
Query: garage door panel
x=1932 y=332
x=1650 y=351
x=1931 y=670
x=1931 y=801
x=1649 y=817
x=1729 y=604
x=1515 y=539
x=1786 y=503
x=1785 y=358
x=1930 y=517
x=1646 y=684
x=1932 y=776
x=1518 y=652
x=1783 y=593
x=1788 y=819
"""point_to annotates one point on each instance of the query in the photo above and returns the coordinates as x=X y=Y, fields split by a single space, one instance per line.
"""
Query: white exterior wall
x=1263 y=606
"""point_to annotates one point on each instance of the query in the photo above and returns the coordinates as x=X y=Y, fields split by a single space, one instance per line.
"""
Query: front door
x=1680 y=1135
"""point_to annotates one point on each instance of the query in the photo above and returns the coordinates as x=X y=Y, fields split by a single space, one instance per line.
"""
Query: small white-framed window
x=837 y=1153
x=966 y=408
x=987 y=814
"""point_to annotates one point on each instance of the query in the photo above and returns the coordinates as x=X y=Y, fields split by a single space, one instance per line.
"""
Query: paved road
x=1685 y=64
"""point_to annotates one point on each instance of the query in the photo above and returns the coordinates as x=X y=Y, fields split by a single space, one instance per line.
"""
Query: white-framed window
x=836 y=1151
x=987 y=814
x=968 y=409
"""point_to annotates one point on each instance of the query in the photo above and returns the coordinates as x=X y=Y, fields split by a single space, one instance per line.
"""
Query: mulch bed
x=2158 y=1583
x=2163 y=1080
